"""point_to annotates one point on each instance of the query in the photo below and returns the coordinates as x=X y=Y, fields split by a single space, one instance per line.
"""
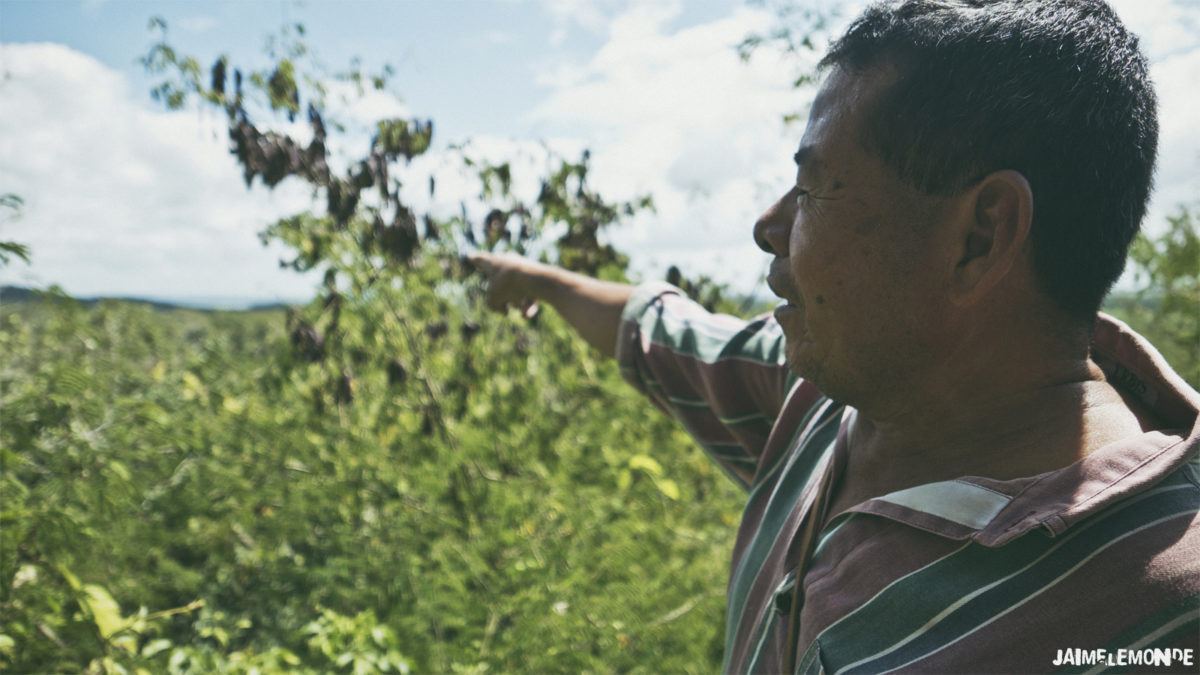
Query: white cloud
x=122 y=199
x=1165 y=27
x=197 y=23
x=1170 y=37
x=354 y=108
x=675 y=114
x=1177 y=81
x=679 y=115
x=591 y=15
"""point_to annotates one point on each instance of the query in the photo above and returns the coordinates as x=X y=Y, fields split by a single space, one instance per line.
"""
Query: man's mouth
x=781 y=285
x=788 y=307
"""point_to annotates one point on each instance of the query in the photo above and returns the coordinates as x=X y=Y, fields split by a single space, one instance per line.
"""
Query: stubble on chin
x=802 y=365
x=815 y=371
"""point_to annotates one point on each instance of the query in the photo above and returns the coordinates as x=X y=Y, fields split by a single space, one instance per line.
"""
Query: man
x=966 y=466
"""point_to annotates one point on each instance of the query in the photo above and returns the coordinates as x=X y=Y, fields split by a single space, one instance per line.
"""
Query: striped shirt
x=968 y=575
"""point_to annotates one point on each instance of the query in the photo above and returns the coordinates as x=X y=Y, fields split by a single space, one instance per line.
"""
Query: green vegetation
x=206 y=492
x=1166 y=306
x=387 y=479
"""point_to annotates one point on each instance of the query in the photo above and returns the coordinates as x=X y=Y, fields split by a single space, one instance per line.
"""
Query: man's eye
x=801 y=195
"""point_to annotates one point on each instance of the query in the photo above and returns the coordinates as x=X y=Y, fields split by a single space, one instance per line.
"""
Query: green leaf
x=105 y=611
x=7 y=645
x=669 y=488
x=12 y=248
x=155 y=646
x=647 y=464
x=119 y=469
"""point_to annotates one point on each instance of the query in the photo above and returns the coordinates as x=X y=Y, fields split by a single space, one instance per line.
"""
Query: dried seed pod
x=436 y=329
x=674 y=276
x=469 y=329
x=495 y=228
x=218 y=77
x=307 y=341
x=397 y=374
x=431 y=229
x=344 y=392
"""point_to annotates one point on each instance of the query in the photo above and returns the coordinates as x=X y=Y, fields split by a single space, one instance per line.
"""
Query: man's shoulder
x=1151 y=539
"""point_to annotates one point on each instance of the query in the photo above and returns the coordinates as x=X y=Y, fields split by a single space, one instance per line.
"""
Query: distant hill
x=20 y=294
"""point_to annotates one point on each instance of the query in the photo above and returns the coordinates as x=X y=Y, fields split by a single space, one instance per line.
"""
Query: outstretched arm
x=592 y=307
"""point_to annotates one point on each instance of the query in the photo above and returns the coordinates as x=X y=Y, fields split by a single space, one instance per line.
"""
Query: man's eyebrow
x=807 y=161
x=806 y=158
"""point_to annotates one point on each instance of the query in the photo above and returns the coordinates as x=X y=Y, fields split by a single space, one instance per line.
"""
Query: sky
x=124 y=198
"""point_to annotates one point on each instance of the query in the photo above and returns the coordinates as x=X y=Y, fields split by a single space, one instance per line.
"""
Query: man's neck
x=1004 y=431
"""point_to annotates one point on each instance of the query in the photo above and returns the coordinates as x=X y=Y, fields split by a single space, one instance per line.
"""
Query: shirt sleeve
x=724 y=378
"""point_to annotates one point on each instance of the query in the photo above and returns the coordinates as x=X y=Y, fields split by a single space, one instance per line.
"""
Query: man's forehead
x=842 y=106
x=851 y=91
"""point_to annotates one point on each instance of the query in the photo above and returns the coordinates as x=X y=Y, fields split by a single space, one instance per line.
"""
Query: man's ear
x=993 y=232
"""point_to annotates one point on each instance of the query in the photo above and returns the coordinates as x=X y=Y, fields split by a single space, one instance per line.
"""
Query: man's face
x=854 y=255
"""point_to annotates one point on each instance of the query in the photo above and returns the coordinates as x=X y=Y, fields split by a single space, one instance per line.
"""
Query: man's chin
x=806 y=365
x=800 y=362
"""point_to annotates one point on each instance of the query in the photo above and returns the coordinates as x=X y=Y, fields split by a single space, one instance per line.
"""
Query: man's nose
x=771 y=230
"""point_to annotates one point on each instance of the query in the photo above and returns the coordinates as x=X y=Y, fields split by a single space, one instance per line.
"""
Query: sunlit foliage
x=387 y=479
